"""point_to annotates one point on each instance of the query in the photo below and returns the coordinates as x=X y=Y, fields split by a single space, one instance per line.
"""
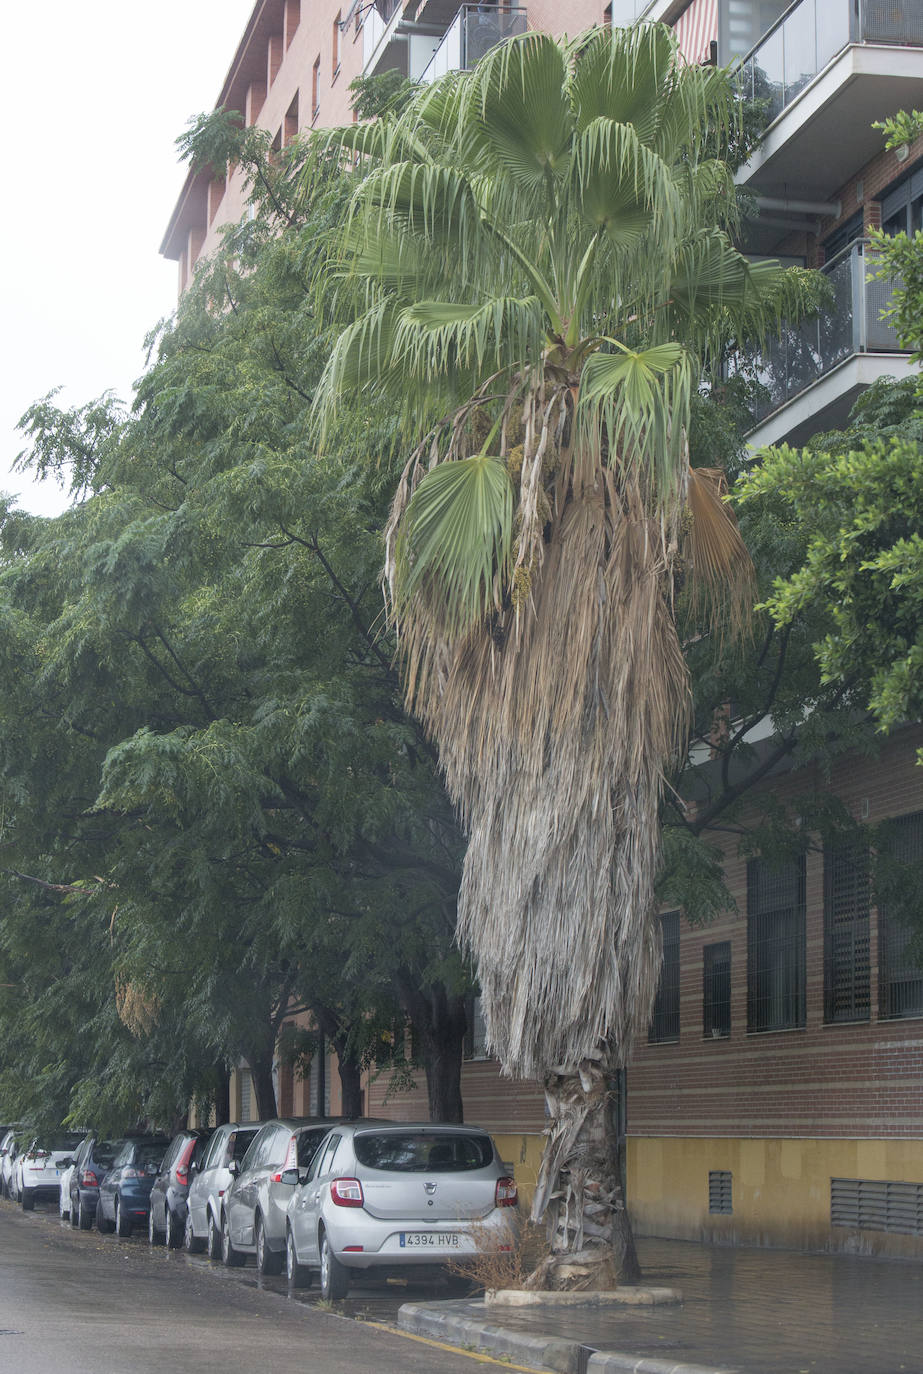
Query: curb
x=591 y=1297
x=554 y=1353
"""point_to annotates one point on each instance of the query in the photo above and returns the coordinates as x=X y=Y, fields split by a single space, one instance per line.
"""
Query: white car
x=391 y=1198
x=9 y=1148
x=212 y=1179
x=38 y=1169
x=68 y=1169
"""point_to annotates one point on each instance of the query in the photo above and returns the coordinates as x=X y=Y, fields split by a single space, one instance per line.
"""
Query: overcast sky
x=96 y=93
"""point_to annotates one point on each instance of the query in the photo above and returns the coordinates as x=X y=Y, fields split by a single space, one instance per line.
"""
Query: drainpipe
x=800 y=207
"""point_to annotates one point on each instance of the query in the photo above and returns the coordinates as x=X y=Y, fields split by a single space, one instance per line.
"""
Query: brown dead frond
x=721 y=570
x=501 y=1260
x=138 y=1008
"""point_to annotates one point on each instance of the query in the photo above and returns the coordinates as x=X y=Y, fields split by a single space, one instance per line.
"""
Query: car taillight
x=182 y=1168
x=506 y=1193
x=89 y=1179
x=347 y=1192
x=132 y=1173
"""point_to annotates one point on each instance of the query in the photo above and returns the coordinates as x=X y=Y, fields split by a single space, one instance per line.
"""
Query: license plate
x=441 y=1240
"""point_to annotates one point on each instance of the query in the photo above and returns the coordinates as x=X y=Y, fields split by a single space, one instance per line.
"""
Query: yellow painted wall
x=781 y=1190
x=524 y=1153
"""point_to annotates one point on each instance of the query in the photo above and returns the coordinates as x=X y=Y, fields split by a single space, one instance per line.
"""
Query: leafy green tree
x=539 y=254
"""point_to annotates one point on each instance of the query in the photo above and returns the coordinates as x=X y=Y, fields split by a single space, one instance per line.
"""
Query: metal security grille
x=665 y=1016
x=847 y=987
x=877 y=1205
x=720 y=1197
x=775 y=945
x=900 y=977
x=716 y=990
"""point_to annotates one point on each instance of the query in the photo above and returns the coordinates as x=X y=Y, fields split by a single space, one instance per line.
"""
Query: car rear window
x=308 y=1142
x=416 y=1153
x=105 y=1151
x=149 y=1156
x=61 y=1142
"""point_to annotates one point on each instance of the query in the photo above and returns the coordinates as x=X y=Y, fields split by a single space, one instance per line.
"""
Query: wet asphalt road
x=74 y=1302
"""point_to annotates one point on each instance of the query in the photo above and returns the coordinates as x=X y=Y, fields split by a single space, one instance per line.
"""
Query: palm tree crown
x=537 y=259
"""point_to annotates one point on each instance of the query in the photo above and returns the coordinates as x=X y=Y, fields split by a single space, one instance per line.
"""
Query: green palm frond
x=621 y=186
x=455 y=540
x=635 y=398
x=432 y=337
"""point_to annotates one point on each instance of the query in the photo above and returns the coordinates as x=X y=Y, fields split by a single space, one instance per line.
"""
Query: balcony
x=814 y=371
x=473 y=32
x=829 y=69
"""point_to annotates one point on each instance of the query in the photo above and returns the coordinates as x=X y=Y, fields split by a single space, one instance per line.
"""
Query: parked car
x=94 y=1158
x=125 y=1191
x=64 y=1182
x=166 y=1219
x=38 y=1169
x=212 y=1180
x=396 y=1197
x=253 y=1216
x=9 y=1148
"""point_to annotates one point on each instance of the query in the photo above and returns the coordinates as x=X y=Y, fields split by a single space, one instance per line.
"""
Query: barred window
x=847 y=993
x=476 y=1034
x=665 y=1016
x=775 y=944
x=716 y=990
x=900 y=975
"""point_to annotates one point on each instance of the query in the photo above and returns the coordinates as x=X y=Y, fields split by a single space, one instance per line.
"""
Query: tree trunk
x=222 y=1096
x=440 y=1021
x=260 y=1066
x=350 y=1084
x=579 y=1188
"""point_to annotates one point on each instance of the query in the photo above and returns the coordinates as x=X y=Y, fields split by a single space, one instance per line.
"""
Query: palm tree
x=537 y=258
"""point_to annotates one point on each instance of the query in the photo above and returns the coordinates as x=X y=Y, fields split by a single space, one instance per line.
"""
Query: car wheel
x=27 y=1199
x=192 y=1244
x=267 y=1261
x=214 y=1239
x=103 y=1225
x=229 y=1256
x=334 y=1278
x=174 y=1234
x=74 y=1214
x=84 y=1215
x=298 y=1275
x=123 y=1227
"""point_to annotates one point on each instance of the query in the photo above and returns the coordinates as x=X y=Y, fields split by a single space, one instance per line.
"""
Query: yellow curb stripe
x=453 y=1349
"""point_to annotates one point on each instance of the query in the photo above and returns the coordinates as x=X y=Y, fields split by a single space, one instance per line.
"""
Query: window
x=847 y=995
x=315 y=88
x=335 y=45
x=246 y=1092
x=775 y=945
x=665 y=1016
x=716 y=990
x=476 y=1034
x=290 y=127
x=900 y=974
x=902 y=208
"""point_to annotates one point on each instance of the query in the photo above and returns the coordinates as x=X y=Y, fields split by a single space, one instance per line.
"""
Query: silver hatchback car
x=209 y=1185
x=395 y=1197
x=253 y=1214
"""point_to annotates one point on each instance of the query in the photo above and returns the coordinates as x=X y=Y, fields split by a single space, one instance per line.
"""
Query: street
x=74 y=1302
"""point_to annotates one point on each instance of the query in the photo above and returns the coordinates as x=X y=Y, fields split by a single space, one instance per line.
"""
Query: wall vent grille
x=877 y=1205
x=719 y=1191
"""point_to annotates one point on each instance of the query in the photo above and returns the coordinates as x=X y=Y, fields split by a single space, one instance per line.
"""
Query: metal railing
x=803 y=353
x=473 y=32
x=376 y=19
x=811 y=33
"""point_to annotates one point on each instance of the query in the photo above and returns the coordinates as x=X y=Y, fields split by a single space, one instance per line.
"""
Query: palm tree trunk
x=579 y=1190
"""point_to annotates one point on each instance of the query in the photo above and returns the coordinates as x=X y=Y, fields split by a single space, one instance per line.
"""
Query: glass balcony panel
x=769 y=74
x=801 y=354
x=833 y=31
x=799 y=47
x=473 y=32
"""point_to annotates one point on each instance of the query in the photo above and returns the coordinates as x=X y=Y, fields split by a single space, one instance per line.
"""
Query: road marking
x=453 y=1349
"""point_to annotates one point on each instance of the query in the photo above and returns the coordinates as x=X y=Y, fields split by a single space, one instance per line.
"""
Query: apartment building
x=295 y=62
x=779 y=1097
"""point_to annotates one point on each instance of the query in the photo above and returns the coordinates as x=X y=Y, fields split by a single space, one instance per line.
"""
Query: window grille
x=716 y=990
x=246 y=1095
x=720 y=1197
x=476 y=1034
x=847 y=994
x=877 y=1205
x=775 y=945
x=665 y=1016
x=900 y=976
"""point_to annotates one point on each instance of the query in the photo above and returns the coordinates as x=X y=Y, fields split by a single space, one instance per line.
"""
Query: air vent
x=874 y=1205
x=719 y=1191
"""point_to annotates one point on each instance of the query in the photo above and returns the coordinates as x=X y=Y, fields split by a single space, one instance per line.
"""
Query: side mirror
x=65 y=1163
x=233 y=1168
x=290 y=1176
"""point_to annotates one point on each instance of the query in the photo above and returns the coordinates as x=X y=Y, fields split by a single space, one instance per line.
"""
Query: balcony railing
x=805 y=352
x=810 y=34
x=473 y=32
x=376 y=20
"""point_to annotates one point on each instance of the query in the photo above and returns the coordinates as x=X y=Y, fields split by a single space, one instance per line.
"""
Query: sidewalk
x=753 y=1311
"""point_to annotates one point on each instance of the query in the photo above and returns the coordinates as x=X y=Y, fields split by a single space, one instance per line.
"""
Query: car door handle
x=315 y=1197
